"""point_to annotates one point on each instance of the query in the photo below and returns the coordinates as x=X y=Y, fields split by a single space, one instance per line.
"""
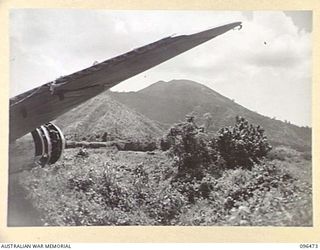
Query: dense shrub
x=264 y=195
x=193 y=152
x=109 y=194
x=243 y=144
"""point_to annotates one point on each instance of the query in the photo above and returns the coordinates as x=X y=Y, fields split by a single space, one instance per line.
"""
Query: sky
x=265 y=66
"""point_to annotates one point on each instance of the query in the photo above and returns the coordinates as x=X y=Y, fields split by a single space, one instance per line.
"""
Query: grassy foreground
x=111 y=187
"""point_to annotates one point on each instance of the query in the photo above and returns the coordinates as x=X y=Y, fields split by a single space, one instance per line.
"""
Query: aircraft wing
x=43 y=104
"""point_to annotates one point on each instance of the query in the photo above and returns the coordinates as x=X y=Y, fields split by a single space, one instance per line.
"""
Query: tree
x=192 y=150
x=243 y=144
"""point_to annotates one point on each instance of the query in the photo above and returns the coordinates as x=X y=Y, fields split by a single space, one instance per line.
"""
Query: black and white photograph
x=160 y=118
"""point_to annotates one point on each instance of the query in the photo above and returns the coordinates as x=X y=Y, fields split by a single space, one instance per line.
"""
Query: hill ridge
x=103 y=114
x=169 y=102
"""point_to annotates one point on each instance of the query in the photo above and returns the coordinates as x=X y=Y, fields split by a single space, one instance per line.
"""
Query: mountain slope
x=169 y=102
x=102 y=114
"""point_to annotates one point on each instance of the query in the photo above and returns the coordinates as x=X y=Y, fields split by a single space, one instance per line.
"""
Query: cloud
x=302 y=19
x=266 y=66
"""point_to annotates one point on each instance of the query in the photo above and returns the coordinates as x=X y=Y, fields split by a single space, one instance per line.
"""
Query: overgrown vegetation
x=227 y=179
x=194 y=154
x=243 y=144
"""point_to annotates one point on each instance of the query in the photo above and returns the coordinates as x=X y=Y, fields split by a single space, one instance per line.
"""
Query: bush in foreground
x=194 y=154
x=243 y=144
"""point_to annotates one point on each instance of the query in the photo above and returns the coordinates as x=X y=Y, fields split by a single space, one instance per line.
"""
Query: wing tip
x=216 y=31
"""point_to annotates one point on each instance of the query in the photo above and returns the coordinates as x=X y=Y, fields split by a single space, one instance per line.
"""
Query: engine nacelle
x=45 y=147
x=49 y=144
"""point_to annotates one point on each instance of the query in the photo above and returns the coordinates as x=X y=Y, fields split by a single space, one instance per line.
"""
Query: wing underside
x=43 y=104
